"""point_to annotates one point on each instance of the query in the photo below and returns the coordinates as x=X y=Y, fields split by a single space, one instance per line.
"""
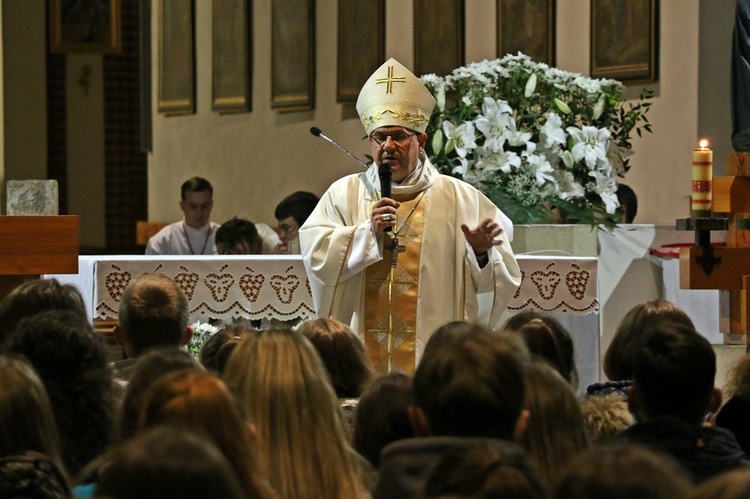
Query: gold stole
x=391 y=294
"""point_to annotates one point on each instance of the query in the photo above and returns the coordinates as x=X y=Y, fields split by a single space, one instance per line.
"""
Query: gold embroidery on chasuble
x=391 y=293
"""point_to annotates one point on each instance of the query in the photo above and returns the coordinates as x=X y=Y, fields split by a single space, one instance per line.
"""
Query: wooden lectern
x=35 y=245
x=726 y=268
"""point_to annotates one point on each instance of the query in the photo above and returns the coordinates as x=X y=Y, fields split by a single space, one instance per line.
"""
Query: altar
x=277 y=287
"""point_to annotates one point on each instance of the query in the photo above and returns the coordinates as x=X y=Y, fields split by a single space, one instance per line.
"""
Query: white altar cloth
x=276 y=286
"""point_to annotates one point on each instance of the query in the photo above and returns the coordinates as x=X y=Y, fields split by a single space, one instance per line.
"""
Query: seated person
x=673 y=388
x=153 y=313
x=291 y=213
x=628 y=203
x=468 y=392
x=239 y=236
x=195 y=235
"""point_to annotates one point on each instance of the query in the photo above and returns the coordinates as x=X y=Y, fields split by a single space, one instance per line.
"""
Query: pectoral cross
x=395 y=250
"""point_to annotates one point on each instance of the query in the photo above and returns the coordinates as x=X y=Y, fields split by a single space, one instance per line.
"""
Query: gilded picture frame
x=527 y=26
x=439 y=29
x=176 y=57
x=85 y=26
x=625 y=40
x=361 y=45
x=232 y=60
x=293 y=55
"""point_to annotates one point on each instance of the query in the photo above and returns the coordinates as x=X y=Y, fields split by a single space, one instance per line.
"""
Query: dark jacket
x=31 y=475
x=702 y=450
x=405 y=465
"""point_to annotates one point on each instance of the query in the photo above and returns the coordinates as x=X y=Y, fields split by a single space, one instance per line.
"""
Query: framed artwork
x=231 y=56
x=176 y=57
x=85 y=26
x=625 y=40
x=361 y=45
x=293 y=55
x=438 y=36
x=527 y=26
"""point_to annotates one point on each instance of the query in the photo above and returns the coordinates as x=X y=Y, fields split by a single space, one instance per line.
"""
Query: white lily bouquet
x=538 y=141
x=201 y=333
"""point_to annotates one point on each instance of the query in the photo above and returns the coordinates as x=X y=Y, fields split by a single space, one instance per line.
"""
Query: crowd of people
x=297 y=413
x=407 y=386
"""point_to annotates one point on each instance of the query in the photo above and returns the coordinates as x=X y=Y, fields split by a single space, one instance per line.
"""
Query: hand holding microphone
x=386 y=175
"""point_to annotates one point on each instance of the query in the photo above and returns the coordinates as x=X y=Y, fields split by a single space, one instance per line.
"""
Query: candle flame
x=703 y=144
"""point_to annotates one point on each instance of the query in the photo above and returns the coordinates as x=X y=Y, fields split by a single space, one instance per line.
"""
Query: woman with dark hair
x=201 y=402
x=561 y=335
x=167 y=461
x=30 y=464
x=38 y=296
x=149 y=368
x=382 y=416
x=343 y=355
x=72 y=363
x=555 y=433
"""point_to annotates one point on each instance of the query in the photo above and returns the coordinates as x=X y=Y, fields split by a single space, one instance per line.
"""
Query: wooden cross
x=395 y=249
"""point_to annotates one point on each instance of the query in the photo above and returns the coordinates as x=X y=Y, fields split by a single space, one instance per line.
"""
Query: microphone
x=386 y=174
x=318 y=133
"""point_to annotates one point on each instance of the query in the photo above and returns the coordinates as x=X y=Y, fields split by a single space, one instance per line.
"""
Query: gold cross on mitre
x=390 y=80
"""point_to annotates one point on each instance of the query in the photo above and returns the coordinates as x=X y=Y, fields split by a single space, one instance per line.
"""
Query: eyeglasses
x=399 y=137
x=287 y=229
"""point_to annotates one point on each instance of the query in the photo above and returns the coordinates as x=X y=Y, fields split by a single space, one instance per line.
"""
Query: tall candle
x=703 y=172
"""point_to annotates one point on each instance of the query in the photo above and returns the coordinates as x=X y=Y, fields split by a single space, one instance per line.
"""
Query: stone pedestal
x=32 y=197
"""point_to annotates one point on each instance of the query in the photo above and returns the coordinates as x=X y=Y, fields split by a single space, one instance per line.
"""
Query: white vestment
x=171 y=240
x=338 y=244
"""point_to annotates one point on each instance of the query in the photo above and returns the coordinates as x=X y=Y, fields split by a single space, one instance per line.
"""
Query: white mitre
x=393 y=96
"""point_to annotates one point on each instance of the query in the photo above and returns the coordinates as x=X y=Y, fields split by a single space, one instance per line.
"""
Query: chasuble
x=395 y=302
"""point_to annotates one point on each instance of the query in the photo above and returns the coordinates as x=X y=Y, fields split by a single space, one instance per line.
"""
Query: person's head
x=167 y=461
x=274 y=374
x=71 y=360
x=449 y=332
x=395 y=108
x=153 y=313
x=555 y=433
x=618 y=359
x=562 y=335
x=542 y=344
x=196 y=202
x=605 y=416
x=382 y=415
x=26 y=419
x=343 y=355
x=673 y=374
x=201 y=402
x=623 y=471
x=150 y=366
x=37 y=296
x=218 y=348
x=292 y=212
x=738 y=378
x=729 y=485
x=472 y=385
x=628 y=203
x=484 y=470
x=238 y=237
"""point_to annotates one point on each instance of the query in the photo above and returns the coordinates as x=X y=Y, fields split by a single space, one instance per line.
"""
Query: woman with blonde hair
x=201 y=402
x=304 y=446
x=555 y=433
